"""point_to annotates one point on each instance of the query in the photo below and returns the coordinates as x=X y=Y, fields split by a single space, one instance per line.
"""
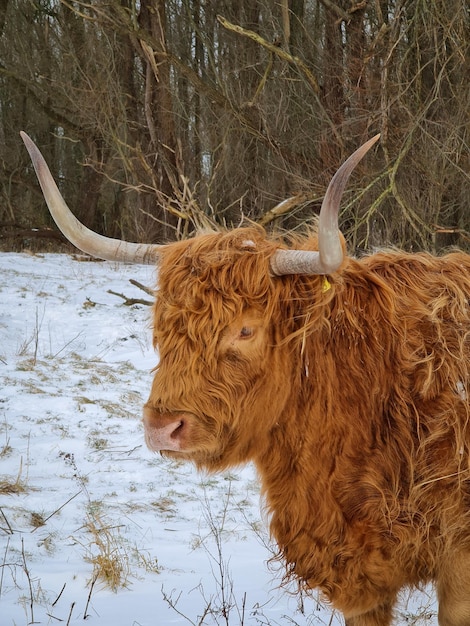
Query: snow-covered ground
x=83 y=502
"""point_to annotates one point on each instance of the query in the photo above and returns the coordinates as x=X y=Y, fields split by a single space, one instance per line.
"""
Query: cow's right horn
x=330 y=250
x=78 y=234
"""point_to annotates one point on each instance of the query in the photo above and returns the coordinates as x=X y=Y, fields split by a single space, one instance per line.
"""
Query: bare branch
x=294 y=60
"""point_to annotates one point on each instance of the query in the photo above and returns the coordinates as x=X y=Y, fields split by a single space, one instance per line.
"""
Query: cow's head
x=219 y=323
x=223 y=313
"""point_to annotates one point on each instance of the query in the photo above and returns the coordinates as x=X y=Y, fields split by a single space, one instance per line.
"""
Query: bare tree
x=162 y=117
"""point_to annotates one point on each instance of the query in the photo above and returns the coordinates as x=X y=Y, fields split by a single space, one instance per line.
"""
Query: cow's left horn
x=330 y=250
x=78 y=234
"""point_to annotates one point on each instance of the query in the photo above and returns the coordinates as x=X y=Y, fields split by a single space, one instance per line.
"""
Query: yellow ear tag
x=326 y=285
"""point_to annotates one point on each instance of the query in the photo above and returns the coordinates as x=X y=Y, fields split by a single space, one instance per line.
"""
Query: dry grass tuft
x=110 y=562
x=16 y=486
x=12 y=488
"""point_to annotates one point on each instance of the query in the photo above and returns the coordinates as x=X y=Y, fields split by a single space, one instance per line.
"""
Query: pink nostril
x=176 y=432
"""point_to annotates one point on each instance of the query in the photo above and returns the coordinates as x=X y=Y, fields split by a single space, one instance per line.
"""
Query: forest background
x=159 y=117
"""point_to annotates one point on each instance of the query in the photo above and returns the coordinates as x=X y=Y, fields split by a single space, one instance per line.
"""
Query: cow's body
x=350 y=396
x=350 y=393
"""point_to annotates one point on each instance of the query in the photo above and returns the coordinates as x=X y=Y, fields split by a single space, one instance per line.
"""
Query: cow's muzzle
x=165 y=430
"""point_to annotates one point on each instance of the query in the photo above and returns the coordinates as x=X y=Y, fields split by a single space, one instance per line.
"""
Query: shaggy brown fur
x=349 y=394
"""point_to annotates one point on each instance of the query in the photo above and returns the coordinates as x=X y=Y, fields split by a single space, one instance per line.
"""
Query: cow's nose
x=163 y=430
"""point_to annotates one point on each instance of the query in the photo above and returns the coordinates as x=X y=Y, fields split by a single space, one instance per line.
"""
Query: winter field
x=92 y=525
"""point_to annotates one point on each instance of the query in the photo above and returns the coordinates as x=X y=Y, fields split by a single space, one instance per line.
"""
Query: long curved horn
x=330 y=251
x=78 y=234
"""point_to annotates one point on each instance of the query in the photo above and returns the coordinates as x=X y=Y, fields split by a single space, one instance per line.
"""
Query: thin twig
x=3 y=565
x=57 y=510
x=30 y=584
x=6 y=521
x=130 y=301
x=70 y=614
x=136 y=283
x=89 y=596
x=67 y=344
x=60 y=593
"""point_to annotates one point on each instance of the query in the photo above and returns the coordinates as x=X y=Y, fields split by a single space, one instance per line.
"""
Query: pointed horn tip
x=365 y=147
x=374 y=139
x=25 y=137
x=30 y=145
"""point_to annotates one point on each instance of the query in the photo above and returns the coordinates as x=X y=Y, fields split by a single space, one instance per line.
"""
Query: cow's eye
x=246 y=332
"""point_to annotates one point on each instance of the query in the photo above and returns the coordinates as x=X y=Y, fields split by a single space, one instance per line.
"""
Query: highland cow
x=345 y=381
